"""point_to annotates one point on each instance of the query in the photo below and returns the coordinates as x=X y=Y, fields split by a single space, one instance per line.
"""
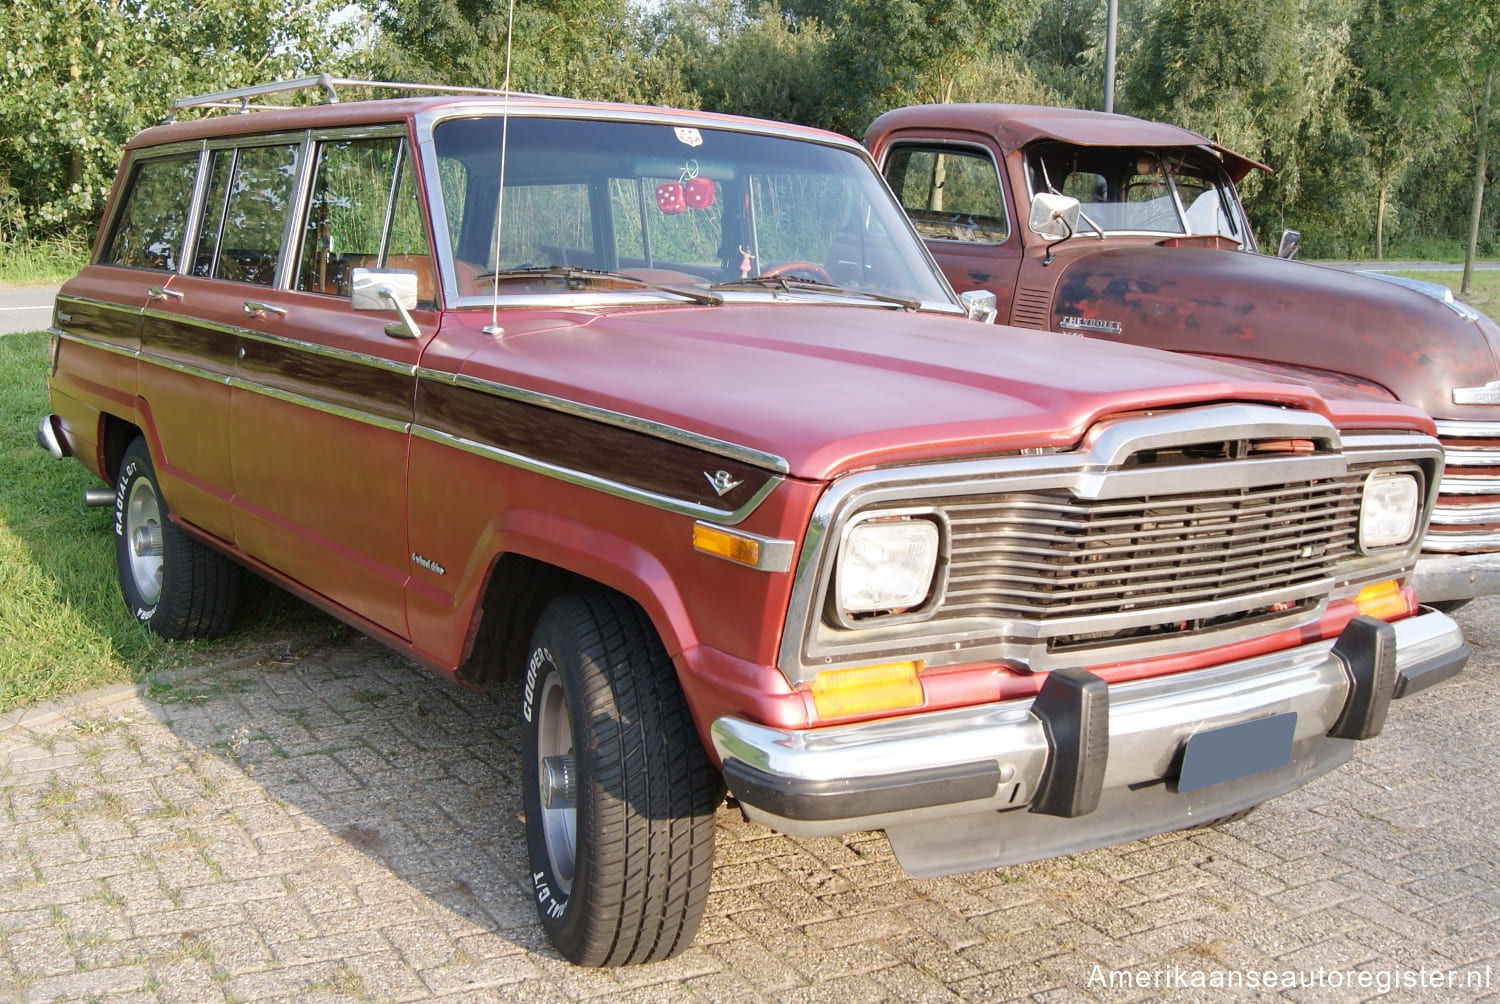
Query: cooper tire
x=620 y=796
x=173 y=584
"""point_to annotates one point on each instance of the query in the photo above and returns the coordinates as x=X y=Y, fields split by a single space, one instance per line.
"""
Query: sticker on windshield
x=692 y=137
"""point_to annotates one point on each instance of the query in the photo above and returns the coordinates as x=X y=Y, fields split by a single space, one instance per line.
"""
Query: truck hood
x=1323 y=323
x=831 y=389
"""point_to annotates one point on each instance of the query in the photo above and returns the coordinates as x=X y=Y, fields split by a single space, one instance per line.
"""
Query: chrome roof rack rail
x=238 y=99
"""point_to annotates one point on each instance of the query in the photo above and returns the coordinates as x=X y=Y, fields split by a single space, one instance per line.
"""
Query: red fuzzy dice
x=669 y=198
x=699 y=193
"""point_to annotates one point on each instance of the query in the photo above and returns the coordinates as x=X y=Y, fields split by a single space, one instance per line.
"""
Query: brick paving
x=331 y=824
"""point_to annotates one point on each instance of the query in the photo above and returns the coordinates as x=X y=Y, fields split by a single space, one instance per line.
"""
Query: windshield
x=1135 y=190
x=624 y=206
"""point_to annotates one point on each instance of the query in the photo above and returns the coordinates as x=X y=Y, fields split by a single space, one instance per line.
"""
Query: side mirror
x=981 y=304
x=1291 y=243
x=387 y=289
x=1054 y=216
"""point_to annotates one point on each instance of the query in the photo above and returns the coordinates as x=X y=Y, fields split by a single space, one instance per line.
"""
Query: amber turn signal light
x=1386 y=601
x=866 y=690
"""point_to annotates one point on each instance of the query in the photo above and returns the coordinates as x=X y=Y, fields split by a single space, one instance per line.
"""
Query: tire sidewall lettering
x=540 y=657
x=551 y=901
x=122 y=486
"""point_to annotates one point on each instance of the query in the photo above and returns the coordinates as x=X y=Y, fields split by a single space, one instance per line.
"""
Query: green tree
x=886 y=53
x=1264 y=79
x=79 y=77
x=594 y=49
x=762 y=61
x=1464 y=36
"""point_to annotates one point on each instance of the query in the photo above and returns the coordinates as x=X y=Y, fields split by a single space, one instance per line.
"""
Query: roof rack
x=238 y=99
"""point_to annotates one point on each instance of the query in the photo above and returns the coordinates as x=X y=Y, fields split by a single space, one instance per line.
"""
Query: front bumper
x=1447 y=578
x=1083 y=764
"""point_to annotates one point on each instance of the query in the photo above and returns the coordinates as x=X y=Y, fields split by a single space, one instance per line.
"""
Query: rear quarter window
x=149 y=230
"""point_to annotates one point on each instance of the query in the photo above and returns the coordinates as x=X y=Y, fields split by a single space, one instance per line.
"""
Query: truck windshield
x=592 y=205
x=1130 y=190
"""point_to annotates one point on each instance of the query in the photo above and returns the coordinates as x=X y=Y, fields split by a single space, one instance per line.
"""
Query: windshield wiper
x=788 y=285
x=570 y=274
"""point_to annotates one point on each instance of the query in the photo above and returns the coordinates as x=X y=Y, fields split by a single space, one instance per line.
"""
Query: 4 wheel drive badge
x=722 y=481
x=429 y=564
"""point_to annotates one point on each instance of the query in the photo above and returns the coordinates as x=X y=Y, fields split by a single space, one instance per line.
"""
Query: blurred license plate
x=1237 y=751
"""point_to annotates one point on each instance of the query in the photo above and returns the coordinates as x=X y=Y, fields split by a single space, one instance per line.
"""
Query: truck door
x=955 y=197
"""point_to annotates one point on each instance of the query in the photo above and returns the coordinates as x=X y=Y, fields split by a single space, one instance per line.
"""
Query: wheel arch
x=533 y=557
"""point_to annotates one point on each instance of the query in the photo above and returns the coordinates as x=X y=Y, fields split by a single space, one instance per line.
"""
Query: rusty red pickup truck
x=1118 y=228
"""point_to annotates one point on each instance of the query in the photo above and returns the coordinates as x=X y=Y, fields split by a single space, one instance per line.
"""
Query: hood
x=1302 y=319
x=832 y=389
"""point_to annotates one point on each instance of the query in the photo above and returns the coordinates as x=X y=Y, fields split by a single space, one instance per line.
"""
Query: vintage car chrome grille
x=1466 y=518
x=1046 y=555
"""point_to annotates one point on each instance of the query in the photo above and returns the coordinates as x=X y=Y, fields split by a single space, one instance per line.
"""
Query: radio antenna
x=494 y=328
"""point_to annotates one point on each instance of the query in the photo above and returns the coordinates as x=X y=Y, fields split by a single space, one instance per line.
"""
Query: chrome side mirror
x=982 y=305
x=1291 y=243
x=1054 y=216
x=386 y=289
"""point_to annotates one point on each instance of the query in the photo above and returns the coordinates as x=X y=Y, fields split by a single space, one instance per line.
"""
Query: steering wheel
x=818 y=272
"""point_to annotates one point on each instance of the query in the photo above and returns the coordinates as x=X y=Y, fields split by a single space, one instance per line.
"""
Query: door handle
x=257 y=309
x=161 y=293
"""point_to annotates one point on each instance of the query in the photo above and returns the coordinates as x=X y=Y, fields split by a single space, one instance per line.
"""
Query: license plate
x=1237 y=751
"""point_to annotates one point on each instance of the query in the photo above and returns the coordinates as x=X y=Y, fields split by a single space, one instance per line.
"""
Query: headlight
x=887 y=564
x=1388 y=511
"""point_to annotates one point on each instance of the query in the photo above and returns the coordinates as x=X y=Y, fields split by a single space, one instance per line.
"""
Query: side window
x=220 y=163
x=363 y=213
x=260 y=189
x=149 y=230
x=950 y=193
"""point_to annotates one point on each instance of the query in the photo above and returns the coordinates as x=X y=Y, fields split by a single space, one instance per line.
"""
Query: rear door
x=322 y=398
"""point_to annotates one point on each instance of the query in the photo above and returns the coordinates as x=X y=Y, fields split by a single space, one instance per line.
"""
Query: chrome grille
x=1044 y=555
x=1466 y=518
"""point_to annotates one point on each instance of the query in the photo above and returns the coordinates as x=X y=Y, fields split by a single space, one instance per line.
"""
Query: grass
x=41 y=262
x=1484 y=287
x=63 y=627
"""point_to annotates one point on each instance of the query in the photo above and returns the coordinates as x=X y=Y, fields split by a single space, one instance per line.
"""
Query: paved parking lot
x=329 y=823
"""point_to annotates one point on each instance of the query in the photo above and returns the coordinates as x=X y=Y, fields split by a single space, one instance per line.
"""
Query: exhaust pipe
x=98 y=498
x=48 y=439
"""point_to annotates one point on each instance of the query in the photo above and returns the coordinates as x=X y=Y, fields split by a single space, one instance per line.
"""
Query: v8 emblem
x=723 y=482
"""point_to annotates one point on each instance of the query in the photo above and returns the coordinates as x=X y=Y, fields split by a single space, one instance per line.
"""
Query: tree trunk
x=1482 y=165
x=1380 y=225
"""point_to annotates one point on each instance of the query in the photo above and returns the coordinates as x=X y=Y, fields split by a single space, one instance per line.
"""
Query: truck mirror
x=1054 y=216
x=1291 y=243
x=982 y=305
x=387 y=289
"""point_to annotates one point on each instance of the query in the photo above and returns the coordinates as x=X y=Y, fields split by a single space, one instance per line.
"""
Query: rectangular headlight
x=1388 y=511
x=887 y=564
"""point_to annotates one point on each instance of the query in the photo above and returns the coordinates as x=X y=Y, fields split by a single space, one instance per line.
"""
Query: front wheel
x=173 y=584
x=620 y=796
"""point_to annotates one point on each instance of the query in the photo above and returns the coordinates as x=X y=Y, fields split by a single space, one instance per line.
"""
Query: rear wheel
x=620 y=796
x=173 y=585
